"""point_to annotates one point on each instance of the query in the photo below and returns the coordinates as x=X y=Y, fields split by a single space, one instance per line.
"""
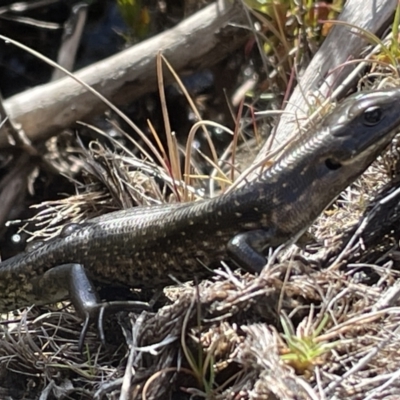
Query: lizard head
x=361 y=126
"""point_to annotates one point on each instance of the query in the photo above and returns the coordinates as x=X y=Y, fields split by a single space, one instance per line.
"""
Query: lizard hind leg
x=71 y=281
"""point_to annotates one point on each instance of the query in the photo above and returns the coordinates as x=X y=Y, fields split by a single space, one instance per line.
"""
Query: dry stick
x=73 y=30
x=199 y=41
x=340 y=45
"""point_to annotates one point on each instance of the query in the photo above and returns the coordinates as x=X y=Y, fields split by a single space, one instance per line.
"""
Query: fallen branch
x=342 y=44
x=199 y=41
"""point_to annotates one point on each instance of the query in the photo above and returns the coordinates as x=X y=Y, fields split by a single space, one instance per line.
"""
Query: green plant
x=137 y=18
x=302 y=349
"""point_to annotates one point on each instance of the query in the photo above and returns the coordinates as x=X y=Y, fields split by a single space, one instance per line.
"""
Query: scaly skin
x=143 y=247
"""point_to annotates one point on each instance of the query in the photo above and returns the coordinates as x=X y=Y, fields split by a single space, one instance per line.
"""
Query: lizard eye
x=372 y=116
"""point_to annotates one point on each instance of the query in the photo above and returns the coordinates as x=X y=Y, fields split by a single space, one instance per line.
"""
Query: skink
x=145 y=246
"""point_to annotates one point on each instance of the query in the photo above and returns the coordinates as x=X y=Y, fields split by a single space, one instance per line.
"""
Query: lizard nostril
x=332 y=164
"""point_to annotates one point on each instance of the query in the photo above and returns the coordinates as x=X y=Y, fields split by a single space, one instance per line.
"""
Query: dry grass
x=224 y=338
x=318 y=323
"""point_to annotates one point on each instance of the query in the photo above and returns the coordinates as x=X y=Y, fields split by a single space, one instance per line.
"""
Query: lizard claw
x=98 y=311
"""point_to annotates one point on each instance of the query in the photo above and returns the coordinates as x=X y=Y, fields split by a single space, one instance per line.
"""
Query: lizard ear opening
x=332 y=164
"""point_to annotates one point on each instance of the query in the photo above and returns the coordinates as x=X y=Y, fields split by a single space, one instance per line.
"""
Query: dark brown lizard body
x=144 y=247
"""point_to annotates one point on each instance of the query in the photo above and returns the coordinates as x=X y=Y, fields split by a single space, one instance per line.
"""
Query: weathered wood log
x=199 y=41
